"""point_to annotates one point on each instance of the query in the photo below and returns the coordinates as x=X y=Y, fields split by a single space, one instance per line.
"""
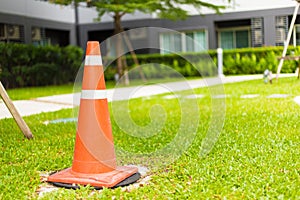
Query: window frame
x=234 y=30
x=295 y=35
x=183 y=36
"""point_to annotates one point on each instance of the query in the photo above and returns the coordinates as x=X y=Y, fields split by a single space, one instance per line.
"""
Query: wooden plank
x=289 y=58
x=287 y=41
x=14 y=112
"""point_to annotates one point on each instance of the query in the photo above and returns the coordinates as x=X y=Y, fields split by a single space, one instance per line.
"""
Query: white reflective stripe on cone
x=93 y=94
x=93 y=60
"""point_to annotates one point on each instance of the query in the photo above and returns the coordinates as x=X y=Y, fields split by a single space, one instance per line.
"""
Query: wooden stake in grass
x=14 y=112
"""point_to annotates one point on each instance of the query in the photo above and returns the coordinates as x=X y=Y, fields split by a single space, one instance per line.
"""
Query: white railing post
x=220 y=62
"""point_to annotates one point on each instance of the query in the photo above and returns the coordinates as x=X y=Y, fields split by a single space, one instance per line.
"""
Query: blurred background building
x=244 y=23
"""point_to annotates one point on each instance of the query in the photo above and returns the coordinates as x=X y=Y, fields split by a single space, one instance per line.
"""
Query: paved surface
x=58 y=102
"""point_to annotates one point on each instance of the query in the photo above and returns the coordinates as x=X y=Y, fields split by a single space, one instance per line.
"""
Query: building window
x=281 y=24
x=57 y=37
x=227 y=39
x=170 y=42
x=190 y=41
x=11 y=33
x=196 y=41
x=297 y=35
x=257 y=32
x=231 y=39
x=38 y=37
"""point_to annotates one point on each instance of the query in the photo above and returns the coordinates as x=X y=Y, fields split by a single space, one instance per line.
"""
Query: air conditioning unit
x=281 y=21
x=12 y=32
x=257 y=37
x=36 y=34
x=280 y=35
x=256 y=22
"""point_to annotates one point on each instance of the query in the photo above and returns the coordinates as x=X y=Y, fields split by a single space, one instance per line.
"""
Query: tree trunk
x=136 y=62
x=119 y=48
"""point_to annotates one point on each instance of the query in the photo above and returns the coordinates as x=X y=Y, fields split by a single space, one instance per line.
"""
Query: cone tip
x=93 y=48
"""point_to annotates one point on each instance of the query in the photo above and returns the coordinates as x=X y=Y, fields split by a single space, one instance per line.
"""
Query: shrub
x=27 y=65
x=24 y=65
x=236 y=61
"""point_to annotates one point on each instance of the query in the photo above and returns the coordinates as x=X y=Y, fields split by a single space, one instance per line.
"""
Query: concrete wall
x=207 y=22
x=29 y=22
x=38 y=9
x=47 y=11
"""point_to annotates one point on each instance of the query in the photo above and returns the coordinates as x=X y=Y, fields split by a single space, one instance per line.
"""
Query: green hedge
x=237 y=61
x=27 y=65
x=256 y=60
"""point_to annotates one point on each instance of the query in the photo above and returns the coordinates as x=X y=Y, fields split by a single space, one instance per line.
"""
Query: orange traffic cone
x=94 y=160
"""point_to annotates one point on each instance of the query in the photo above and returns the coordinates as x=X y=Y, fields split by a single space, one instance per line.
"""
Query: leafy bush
x=236 y=61
x=27 y=65
x=256 y=60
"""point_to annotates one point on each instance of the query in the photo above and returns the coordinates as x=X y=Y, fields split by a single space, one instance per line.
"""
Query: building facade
x=247 y=24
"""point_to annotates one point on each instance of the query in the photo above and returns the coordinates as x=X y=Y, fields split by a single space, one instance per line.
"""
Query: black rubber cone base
x=131 y=179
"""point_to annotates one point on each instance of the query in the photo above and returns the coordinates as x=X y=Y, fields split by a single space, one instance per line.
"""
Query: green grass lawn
x=42 y=91
x=255 y=157
x=34 y=92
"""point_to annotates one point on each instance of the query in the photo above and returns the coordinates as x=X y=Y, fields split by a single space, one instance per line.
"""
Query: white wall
x=243 y=5
x=89 y=15
x=248 y=5
x=86 y=15
x=45 y=10
x=38 y=9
